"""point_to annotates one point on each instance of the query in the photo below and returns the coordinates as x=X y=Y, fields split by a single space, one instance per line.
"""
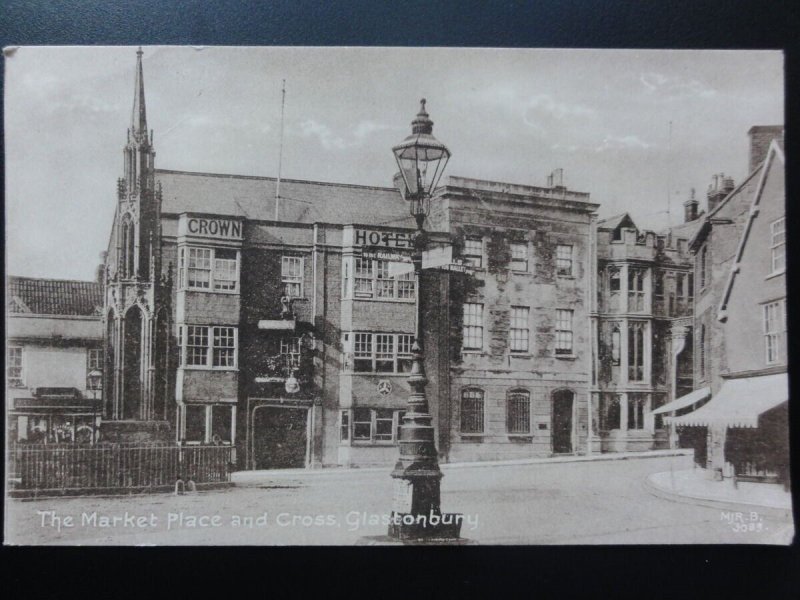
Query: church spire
x=139 y=113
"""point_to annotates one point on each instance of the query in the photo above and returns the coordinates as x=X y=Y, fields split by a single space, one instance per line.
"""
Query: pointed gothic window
x=127 y=248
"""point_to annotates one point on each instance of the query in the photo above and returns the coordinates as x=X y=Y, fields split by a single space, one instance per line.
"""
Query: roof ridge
x=283 y=179
x=10 y=277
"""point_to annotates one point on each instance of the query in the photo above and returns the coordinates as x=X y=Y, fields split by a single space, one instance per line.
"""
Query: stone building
x=520 y=363
x=278 y=316
x=642 y=327
x=740 y=264
x=53 y=342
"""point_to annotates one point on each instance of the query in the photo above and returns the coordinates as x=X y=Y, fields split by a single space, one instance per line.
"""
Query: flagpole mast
x=280 y=152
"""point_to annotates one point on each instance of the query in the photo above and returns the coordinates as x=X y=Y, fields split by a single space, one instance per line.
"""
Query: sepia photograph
x=376 y=296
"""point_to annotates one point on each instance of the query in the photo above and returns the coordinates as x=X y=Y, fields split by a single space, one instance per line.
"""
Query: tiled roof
x=301 y=201
x=616 y=221
x=53 y=296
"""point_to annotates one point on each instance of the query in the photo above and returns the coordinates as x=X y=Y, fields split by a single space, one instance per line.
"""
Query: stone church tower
x=137 y=314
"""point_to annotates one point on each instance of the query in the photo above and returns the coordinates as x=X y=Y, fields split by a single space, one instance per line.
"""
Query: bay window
x=381 y=352
x=204 y=346
x=208 y=269
x=372 y=280
x=370 y=425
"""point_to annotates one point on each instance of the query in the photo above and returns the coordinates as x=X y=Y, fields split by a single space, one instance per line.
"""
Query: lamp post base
x=385 y=540
x=432 y=527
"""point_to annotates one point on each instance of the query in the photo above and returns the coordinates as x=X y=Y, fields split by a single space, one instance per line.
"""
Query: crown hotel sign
x=209 y=227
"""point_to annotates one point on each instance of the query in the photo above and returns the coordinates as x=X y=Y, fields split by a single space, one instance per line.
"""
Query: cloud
x=675 y=87
x=332 y=141
x=543 y=110
x=626 y=142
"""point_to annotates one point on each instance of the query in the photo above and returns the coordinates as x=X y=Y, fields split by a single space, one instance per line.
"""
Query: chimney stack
x=556 y=179
x=760 y=138
x=719 y=188
x=690 y=208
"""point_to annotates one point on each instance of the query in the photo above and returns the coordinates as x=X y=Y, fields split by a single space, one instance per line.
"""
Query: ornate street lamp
x=416 y=512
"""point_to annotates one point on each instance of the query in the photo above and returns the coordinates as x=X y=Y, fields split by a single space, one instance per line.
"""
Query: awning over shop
x=684 y=401
x=739 y=402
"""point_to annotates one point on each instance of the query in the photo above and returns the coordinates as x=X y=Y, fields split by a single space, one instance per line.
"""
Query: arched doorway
x=132 y=367
x=562 y=421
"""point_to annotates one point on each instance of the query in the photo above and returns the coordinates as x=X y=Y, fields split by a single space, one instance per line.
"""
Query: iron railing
x=111 y=467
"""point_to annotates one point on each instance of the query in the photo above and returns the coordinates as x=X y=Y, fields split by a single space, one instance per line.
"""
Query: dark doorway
x=562 y=422
x=132 y=383
x=279 y=438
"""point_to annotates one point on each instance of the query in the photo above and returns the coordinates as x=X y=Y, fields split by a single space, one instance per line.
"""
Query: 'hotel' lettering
x=215 y=227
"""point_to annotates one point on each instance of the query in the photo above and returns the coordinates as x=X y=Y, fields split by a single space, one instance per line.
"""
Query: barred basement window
x=14 y=374
x=564 y=259
x=519 y=328
x=292 y=276
x=472 y=411
x=519 y=257
x=473 y=252
x=473 y=327
x=518 y=412
x=778 y=245
x=563 y=331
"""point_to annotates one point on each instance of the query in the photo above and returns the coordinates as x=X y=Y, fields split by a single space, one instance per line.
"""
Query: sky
x=635 y=129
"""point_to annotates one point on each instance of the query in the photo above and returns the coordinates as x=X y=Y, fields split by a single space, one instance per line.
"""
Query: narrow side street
x=574 y=503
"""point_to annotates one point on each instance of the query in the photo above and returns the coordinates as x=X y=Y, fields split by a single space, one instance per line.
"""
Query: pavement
x=547 y=503
x=694 y=486
x=259 y=477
